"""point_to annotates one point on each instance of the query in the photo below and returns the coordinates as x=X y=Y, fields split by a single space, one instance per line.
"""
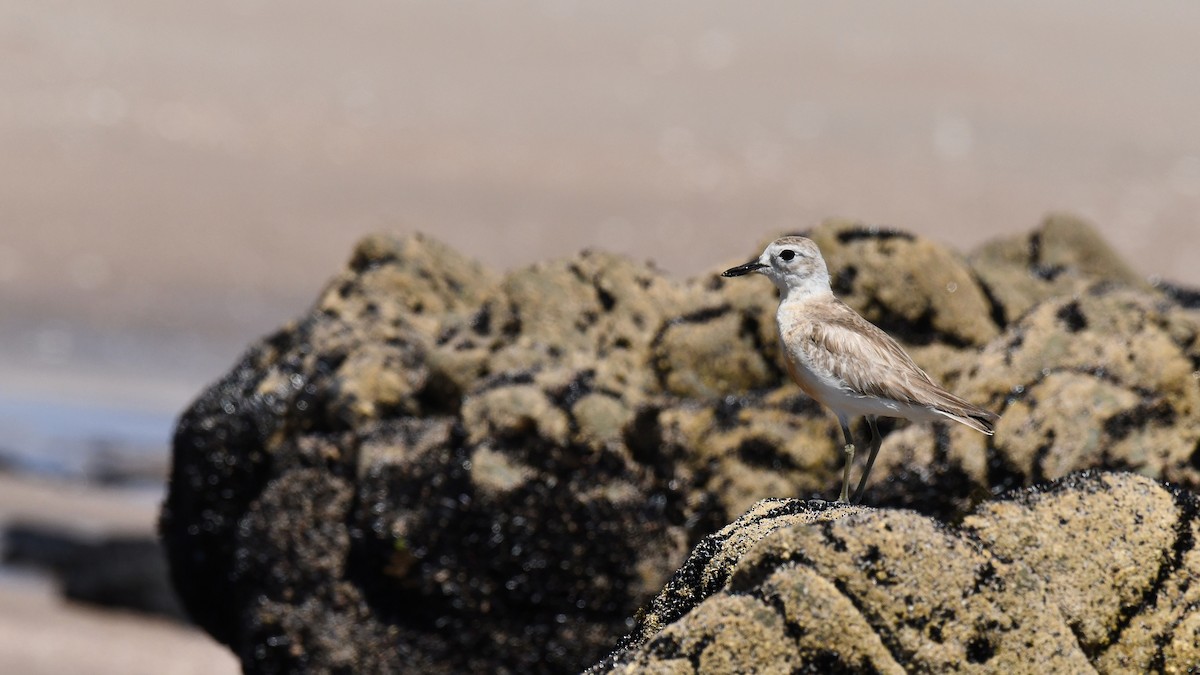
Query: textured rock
x=1102 y=379
x=1106 y=546
x=456 y=470
x=915 y=289
x=1048 y=581
x=1107 y=378
x=708 y=568
x=375 y=486
x=1061 y=257
x=713 y=351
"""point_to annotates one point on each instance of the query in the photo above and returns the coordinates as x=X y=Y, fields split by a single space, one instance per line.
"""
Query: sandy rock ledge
x=1090 y=574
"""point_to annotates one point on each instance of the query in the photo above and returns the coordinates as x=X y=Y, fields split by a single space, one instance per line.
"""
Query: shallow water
x=84 y=441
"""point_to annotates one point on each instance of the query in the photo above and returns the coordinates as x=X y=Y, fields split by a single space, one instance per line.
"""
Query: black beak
x=743 y=269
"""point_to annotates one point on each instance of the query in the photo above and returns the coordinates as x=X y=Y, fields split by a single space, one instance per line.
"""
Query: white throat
x=795 y=287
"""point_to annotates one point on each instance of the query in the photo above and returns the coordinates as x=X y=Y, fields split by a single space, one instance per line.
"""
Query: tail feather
x=978 y=419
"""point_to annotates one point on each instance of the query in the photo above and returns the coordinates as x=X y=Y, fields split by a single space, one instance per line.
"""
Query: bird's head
x=793 y=263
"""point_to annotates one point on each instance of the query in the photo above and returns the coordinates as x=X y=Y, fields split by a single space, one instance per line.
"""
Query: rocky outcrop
x=429 y=470
x=1091 y=574
x=123 y=572
x=915 y=289
x=1107 y=378
x=455 y=470
x=1062 y=257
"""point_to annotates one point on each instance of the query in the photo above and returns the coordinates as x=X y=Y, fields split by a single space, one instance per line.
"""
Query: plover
x=844 y=361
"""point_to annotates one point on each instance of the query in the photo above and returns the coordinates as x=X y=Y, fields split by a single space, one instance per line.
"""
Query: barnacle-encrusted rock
x=1061 y=257
x=444 y=469
x=915 y=289
x=1090 y=574
x=1105 y=378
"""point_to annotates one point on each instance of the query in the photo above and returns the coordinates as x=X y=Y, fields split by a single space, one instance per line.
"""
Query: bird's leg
x=875 y=442
x=849 y=452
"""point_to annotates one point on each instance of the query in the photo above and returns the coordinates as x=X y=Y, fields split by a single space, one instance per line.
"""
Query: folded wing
x=871 y=363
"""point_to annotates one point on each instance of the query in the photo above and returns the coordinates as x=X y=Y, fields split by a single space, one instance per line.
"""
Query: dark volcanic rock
x=1090 y=574
x=364 y=491
x=439 y=469
x=117 y=572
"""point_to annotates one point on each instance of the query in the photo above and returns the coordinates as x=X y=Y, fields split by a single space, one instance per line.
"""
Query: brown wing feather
x=881 y=367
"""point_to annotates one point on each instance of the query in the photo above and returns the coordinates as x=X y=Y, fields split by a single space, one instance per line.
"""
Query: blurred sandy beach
x=179 y=178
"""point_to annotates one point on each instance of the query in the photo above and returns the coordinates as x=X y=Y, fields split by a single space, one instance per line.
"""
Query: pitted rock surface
x=1061 y=257
x=1106 y=546
x=1047 y=580
x=483 y=471
x=1106 y=378
x=708 y=568
x=915 y=289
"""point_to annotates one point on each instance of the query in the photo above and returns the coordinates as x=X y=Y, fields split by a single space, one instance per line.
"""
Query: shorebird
x=844 y=361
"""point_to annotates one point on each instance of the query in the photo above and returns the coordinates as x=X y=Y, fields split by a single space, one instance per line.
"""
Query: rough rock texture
x=1106 y=378
x=370 y=488
x=443 y=469
x=1091 y=574
x=708 y=568
x=1062 y=257
x=913 y=288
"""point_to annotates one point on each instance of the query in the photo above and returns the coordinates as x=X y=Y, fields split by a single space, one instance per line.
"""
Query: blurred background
x=178 y=178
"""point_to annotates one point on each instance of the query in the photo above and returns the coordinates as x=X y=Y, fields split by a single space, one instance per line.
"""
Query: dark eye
x=788 y=254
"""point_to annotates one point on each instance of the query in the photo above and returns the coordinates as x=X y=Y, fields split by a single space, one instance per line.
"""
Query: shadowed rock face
x=443 y=469
x=1089 y=574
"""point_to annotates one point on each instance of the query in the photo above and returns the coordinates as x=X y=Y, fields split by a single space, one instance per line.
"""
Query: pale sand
x=77 y=508
x=40 y=634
